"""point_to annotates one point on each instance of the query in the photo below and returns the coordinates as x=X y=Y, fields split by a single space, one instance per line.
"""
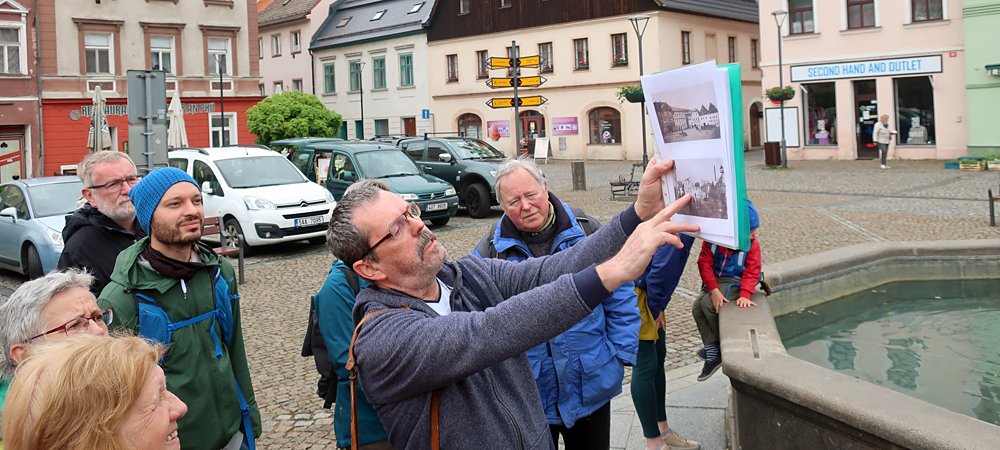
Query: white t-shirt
x=443 y=305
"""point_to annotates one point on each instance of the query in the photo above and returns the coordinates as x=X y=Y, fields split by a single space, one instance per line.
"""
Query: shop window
x=98 y=52
x=406 y=70
x=860 y=13
x=10 y=50
x=452 y=67
x=821 y=113
x=355 y=78
x=329 y=79
x=800 y=16
x=915 y=111
x=685 y=47
x=218 y=124
x=605 y=126
x=482 y=65
x=378 y=73
x=545 y=64
x=470 y=125
x=581 y=53
x=619 y=49
x=924 y=10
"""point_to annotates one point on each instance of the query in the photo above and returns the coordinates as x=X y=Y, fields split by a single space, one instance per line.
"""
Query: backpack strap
x=352 y=279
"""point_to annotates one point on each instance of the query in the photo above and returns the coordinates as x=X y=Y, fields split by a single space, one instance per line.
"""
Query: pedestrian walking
x=882 y=136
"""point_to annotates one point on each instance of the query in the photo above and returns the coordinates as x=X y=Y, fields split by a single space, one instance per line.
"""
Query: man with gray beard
x=102 y=228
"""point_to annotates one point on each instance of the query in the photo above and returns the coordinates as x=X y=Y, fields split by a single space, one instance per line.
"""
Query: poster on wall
x=562 y=126
x=695 y=123
x=772 y=118
x=497 y=129
x=10 y=159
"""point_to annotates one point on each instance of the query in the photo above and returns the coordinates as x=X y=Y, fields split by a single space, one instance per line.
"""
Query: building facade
x=284 y=31
x=982 y=74
x=852 y=61
x=587 y=51
x=20 y=127
x=87 y=45
x=371 y=67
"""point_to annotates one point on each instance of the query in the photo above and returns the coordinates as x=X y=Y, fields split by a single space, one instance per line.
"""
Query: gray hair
x=21 y=315
x=85 y=170
x=511 y=165
x=346 y=241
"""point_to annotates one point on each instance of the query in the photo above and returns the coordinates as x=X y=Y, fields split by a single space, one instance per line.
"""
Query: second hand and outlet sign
x=869 y=68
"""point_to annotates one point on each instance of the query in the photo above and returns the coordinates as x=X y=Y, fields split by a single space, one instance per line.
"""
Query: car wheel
x=317 y=240
x=477 y=201
x=440 y=221
x=231 y=234
x=32 y=263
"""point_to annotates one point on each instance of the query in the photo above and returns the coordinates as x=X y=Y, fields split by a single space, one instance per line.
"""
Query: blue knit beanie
x=754 y=218
x=147 y=193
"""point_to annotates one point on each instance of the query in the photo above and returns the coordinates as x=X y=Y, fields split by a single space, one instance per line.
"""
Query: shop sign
x=122 y=110
x=496 y=129
x=564 y=125
x=871 y=68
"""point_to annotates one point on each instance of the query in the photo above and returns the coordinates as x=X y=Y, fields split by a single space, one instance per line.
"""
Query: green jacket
x=193 y=373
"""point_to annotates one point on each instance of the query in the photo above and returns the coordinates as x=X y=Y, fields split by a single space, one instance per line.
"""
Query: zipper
x=517 y=430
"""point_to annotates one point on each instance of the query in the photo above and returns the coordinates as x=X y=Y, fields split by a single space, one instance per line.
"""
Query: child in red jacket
x=724 y=272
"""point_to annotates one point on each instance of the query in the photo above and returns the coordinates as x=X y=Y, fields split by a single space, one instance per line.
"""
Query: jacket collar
x=567 y=228
x=133 y=275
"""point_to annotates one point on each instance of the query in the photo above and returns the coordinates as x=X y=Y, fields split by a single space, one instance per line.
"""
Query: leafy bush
x=291 y=114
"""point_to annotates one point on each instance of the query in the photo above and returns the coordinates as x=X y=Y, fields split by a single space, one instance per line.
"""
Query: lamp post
x=220 y=59
x=361 y=87
x=779 y=19
x=644 y=20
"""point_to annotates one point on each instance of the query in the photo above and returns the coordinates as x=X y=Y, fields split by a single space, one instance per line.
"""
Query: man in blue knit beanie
x=171 y=269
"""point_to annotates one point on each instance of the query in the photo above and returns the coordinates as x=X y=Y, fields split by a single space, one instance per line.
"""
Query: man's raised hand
x=650 y=198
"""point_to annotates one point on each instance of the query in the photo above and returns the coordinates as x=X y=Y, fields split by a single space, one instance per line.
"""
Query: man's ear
x=368 y=270
x=17 y=353
x=88 y=194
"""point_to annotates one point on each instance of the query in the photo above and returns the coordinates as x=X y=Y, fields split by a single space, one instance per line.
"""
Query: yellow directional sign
x=504 y=63
x=534 y=100
x=521 y=82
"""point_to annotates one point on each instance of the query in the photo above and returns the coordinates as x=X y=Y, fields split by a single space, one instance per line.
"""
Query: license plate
x=306 y=221
x=437 y=206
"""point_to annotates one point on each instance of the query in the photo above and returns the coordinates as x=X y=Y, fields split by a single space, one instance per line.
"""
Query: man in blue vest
x=581 y=370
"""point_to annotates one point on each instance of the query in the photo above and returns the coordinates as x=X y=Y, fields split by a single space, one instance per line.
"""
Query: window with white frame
x=97 y=47
x=619 y=49
x=482 y=64
x=161 y=53
x=545 y=64
x=278 y=87
x=276 y=45
x=296 y=42
x=215 y=128
x=260 y=48
x=800 y=16
x=452 y=67
x=581 y=53
x=260 y=87
x=218 y=56
x=10 y=50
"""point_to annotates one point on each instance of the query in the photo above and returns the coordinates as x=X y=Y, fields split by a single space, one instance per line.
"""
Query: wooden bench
x=212 y=227
x=630 y=186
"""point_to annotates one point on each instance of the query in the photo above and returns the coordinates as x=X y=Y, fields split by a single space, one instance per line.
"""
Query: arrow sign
x=521 y=82
x=534 y=100
x=504 y=63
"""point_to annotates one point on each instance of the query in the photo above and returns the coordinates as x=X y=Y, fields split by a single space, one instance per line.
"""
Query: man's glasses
x=398 y=226
x=116 y=185
x=79 y=325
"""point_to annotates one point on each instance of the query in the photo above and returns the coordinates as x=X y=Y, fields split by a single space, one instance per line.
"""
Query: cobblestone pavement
x=812 y=207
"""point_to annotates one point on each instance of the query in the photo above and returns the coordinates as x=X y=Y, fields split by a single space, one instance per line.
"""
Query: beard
x=172 y=234
x=117 y=210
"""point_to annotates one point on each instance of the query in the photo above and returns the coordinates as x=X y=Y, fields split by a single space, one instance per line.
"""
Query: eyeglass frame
x=108 y=188
x=412 y=211
x=106 y=312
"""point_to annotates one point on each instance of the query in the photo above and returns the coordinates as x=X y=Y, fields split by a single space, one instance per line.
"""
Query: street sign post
x=425 y=114
x=521 y=82
x=504 y=102
x=147 y=101
x=513 y=64
x=506 y=63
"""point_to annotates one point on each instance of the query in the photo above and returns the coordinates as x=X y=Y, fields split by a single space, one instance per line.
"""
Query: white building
x=284 y=28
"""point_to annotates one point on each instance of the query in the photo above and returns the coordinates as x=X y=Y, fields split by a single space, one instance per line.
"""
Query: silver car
x=32 y=215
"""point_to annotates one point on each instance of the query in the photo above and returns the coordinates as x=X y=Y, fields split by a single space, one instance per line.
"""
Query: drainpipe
x=38 y=77
x=312 y=69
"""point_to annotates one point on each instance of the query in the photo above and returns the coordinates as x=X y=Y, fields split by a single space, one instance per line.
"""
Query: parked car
x=258 y=194
x=306 y=161
x=351 y=161
x=32 y=215
x=391 y=140
x=470 y=165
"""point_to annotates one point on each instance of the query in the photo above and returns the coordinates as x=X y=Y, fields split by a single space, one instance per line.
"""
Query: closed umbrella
x=177 y=134
x=100 y=134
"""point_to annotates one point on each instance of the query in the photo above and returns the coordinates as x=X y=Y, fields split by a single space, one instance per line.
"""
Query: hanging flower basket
x=631 y=93
x=635 y=96
x=780 y=94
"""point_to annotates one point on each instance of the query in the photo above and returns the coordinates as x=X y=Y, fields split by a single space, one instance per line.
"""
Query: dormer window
x=343 y=22
x=416 y=7
x=378 y=15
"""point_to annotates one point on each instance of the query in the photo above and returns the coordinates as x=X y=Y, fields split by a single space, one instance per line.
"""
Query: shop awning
x=993 y=69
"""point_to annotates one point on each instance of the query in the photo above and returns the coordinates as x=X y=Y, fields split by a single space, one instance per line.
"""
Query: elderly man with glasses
x=53 y=308
x=440 y=345
x=97 y=232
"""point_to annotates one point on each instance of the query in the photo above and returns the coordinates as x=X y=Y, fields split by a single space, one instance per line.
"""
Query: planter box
x=951 y=165
x=635 y=97
x=993 y=165
x=972 y=165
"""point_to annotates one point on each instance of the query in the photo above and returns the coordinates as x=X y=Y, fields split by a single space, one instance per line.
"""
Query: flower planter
x=993 y=165
x=635 y=96
x=780 y=98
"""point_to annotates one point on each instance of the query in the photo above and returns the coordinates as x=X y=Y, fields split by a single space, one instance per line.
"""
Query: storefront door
x=532 y=127
x=10 y=158
x=866 y=107
x=755 y=118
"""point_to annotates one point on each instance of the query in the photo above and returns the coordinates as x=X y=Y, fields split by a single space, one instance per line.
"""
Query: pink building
x=851 y=61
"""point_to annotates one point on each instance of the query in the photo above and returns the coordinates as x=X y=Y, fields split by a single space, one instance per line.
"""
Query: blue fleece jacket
x=663 y=273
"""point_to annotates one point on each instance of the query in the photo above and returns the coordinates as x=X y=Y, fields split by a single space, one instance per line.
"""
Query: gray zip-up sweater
x=475 y=355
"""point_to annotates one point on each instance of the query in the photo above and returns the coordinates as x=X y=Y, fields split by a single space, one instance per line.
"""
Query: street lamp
x=361 y=87
x=779 y=19
x=636 y=20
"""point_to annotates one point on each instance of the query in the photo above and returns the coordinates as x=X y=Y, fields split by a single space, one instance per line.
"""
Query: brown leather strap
x=354 y=377
x=435 y=425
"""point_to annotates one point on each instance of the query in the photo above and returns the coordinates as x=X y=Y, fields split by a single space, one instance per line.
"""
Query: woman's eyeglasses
x=79 y=325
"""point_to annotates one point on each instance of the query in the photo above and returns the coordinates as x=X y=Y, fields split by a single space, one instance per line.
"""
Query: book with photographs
x=697 y=121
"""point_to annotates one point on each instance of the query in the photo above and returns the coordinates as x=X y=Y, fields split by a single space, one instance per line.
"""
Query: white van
x=257 y=193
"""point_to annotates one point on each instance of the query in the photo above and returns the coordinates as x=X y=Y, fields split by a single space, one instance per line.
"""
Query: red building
x=19 y=120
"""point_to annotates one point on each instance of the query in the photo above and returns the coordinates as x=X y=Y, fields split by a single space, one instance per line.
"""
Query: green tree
x=291 y=114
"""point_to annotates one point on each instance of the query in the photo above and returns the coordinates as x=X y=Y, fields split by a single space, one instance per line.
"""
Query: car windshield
x=475 y=149
x=258 y=171
x=386 y=163
x=55 y=199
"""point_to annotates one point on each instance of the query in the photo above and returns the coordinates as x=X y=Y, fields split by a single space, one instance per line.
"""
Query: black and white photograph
x=705 y=180
x=687 y=114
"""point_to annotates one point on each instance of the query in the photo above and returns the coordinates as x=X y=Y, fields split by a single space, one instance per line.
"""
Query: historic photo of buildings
x=705 y=180
x=687 y=114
